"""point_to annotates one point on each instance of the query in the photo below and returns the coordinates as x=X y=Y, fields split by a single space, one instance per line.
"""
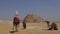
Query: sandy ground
x=32 y=28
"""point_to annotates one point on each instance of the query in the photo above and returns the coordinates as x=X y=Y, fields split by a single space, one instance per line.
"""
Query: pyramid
x=32 y=18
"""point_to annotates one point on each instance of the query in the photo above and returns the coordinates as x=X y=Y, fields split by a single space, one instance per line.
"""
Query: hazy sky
x=47 y=9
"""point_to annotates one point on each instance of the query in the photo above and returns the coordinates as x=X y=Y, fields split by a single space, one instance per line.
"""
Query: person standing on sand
x=16 y=22
x=24 y=24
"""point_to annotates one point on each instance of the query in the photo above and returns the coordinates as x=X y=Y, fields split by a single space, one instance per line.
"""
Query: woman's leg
x=13 y=26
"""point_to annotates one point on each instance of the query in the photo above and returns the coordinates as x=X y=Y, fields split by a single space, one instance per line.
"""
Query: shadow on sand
x=12 y=32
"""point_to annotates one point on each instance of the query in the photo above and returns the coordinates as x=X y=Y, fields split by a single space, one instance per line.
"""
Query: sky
x=47 y=9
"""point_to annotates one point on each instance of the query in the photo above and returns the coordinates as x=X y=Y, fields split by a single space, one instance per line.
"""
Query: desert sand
x=32 y=28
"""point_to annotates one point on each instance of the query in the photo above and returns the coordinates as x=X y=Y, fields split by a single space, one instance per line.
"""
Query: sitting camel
x=53 y=26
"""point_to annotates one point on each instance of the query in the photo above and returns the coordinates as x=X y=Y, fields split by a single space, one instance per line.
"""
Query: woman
x=16 y=22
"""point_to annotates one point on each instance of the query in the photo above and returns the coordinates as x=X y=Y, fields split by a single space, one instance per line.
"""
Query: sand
x=32 y=28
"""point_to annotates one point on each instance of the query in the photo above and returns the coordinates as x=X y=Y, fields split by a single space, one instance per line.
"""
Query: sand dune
x=32 y=28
